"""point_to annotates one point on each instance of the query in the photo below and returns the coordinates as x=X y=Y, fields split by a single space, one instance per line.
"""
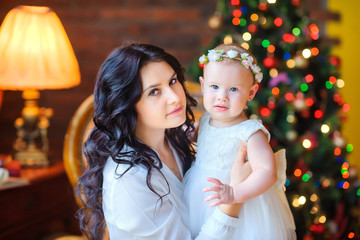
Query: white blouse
x=133 y=211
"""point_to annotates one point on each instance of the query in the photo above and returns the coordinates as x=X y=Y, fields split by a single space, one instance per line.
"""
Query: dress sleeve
x=251 y=127
x=133 y=211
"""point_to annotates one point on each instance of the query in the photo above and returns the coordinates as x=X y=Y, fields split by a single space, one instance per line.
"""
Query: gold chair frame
x=78 y=129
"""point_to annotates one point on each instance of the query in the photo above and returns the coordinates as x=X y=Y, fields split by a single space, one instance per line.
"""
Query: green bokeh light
x=242 y=22
x=349 y=147
x=265 y=43
x=304 y=87
x=296 y=31
x=305 y=177
x=328 y=85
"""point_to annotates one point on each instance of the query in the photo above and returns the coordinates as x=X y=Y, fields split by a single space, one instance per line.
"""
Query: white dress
x=133 y=211
x=267 y=216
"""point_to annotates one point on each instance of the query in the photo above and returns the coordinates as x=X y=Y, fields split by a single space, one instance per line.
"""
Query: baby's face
x=226 y=86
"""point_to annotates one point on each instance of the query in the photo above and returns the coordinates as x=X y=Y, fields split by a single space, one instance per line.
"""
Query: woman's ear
x=254 y=88
x=201 y=79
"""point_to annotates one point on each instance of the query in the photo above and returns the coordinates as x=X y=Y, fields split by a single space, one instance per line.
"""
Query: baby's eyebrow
x=213 y=82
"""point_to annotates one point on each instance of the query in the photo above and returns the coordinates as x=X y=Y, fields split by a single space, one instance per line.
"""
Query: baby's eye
x=233 y=89
x=154 y=92
x=214 y=86
x=173 y=81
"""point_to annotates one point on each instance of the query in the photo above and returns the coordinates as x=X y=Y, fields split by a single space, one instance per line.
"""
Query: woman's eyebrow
x=151 y=86
x=157 y=84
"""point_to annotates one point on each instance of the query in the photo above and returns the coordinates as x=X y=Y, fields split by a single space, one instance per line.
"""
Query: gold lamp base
x=32 y=158
x=31 y=146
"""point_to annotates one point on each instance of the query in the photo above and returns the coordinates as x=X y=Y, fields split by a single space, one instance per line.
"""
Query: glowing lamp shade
x=35 y=52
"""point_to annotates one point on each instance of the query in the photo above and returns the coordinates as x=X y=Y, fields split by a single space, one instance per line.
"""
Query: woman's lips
x=176 y=110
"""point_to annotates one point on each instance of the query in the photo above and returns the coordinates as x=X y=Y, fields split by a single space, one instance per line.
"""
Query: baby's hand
x=223 y=192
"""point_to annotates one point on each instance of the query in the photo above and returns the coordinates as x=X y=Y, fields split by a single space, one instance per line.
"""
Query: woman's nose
x=173 y=96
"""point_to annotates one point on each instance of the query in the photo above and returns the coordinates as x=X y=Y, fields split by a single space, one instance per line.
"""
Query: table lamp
x=35 y=54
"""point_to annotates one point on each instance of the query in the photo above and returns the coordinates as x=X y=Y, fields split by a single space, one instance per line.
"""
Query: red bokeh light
x=309 y=78
x=318 y=114
x=278 y=22
x=287 y=37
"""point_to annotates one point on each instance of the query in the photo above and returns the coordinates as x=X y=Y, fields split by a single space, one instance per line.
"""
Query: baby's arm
x=262 y=162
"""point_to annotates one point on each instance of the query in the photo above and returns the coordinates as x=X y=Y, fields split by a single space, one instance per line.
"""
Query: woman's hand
x=240 y=169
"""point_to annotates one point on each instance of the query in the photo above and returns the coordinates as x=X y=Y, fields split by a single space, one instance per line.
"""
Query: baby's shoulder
x=251 y=126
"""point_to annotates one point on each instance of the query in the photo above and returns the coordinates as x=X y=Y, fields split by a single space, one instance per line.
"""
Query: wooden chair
x=74 y=159
x=78 y=129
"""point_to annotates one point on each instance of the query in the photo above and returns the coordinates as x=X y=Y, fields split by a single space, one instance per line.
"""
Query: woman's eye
x=214 y=86
x=154 y=92
x=173 y=81
x=233 y=89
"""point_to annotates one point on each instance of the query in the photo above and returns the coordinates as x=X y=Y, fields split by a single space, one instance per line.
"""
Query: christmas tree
x=299 y=103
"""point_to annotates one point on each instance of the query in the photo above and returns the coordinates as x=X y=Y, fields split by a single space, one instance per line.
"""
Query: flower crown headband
x=217 y=55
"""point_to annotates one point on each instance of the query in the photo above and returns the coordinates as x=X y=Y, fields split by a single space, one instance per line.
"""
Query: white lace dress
x=267 y=216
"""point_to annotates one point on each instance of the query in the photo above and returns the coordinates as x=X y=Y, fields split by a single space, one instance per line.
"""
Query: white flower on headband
x=215 y=55
x=259 y=77
x=203 y=59
x=245 y=59
x=232 y=53
x=255 y=68
x=247 y=62
x=244 y=55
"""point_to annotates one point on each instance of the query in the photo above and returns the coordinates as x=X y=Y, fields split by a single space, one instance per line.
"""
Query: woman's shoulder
x=114 y=169
x=116 y=174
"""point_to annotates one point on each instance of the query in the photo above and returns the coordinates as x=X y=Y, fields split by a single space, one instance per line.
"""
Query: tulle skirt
x=267 y=216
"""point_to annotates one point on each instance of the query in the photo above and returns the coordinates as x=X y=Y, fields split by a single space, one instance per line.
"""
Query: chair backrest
x=74 y=160
x=78 y=129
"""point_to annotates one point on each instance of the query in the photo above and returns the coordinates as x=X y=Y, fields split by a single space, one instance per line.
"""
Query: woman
x=139 y=150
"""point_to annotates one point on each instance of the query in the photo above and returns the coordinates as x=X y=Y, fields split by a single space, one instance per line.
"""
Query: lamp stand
x=31 y=146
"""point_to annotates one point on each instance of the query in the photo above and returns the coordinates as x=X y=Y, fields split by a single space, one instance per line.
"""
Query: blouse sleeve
x=133 y=211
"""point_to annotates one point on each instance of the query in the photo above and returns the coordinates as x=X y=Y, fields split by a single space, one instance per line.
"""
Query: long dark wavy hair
x=118 y=88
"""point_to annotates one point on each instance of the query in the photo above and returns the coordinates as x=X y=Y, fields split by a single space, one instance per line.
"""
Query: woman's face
x=163 y=102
